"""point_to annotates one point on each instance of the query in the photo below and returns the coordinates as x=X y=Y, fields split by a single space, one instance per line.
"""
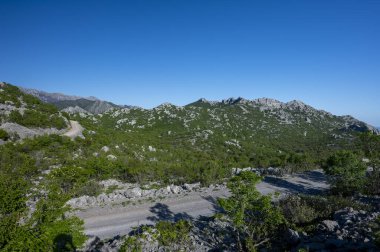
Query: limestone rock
x=105 y=149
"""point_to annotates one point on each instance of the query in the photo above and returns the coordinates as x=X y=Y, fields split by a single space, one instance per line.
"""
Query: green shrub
x=254 y=217
x=4 y=135
x=176 y=233
x=89 y=188
x=131 y=244
x=373 y=179
x=347 y=172
x=297 y=211
x=305 y=211
x=32 y=118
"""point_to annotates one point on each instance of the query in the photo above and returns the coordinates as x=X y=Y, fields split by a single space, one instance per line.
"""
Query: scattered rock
x=330 y=225
x=348 y=231
x=191 y=187
x=111 y=157
x=24 y=132
x=91 y=244
x=105 y=149
x=151 y=149
x=136 y=192
x=292 y=237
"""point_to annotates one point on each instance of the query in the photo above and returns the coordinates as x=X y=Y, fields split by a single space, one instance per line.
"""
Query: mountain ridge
x=93 y=105
x=90 y=104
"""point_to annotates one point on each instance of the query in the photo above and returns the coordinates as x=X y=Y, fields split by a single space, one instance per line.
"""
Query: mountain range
x=93 y=105
x=73 y=103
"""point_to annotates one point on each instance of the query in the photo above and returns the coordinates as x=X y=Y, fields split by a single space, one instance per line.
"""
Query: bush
x=304 y=211
x=372 y=181
x=254 y=217
x=347 y=173
x=173 y=234
x=32 y=118
x=297 y=211
x=4 y=135
x=131 y=244
x=90 y=188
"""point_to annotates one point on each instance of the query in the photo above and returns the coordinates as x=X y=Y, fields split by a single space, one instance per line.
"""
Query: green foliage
x=89 y=188
x=131 y=244
x=35 y=112
x=47 y=229
x=173 y=234
x=4 y=135
x=304 y=211
x=371 y=144
x=373 y=179
x=297 y=210
x=32 y=118
x=253 y=215
x=347 y=172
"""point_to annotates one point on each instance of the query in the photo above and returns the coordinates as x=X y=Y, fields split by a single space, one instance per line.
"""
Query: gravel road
x=75 y=130
x=109 y=221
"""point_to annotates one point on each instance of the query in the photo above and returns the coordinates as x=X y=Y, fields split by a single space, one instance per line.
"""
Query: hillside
x=23 y=115
x=141 y=159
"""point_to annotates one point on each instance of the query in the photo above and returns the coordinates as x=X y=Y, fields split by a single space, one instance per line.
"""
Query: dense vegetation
x=46 y=228
x=28 y=110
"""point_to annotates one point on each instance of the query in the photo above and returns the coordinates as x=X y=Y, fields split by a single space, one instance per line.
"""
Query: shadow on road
x=315 y=176
x=214 y=203
x=163 y=213
x=291 y=187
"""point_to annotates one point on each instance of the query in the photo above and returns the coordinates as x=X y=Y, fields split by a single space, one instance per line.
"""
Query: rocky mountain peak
x=231 y=101
x=165 y=105
x=268 y=102
x=297 y=104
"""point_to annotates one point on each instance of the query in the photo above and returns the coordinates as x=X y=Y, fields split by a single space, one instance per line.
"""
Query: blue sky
x=325 y=53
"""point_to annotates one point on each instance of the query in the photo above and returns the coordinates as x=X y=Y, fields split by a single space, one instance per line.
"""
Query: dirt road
x=75 y=130
x=109 y=221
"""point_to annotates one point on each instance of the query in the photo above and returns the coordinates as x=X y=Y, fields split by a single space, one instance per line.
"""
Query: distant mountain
x=71 y=103
x=230 y=126
x=288 y=112
x=265 y=115
x=53 y=97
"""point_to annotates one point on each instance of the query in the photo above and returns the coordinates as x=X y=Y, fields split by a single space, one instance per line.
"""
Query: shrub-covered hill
x=20 y=111
x=208 y=138
x=199 y=142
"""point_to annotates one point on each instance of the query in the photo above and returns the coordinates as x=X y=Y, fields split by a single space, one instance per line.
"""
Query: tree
x=254 y=217
x=347 y=172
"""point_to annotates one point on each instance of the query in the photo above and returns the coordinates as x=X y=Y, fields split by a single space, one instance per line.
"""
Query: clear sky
x=323 y=52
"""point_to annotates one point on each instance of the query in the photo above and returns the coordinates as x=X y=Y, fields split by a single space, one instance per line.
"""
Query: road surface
x=109 y=221
x=75 y=130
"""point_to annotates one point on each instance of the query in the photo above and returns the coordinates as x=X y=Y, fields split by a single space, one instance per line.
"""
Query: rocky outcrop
x=349 y=230
x=24 y=132
x=74 y=110
x=260 y=171
x=125 y=191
